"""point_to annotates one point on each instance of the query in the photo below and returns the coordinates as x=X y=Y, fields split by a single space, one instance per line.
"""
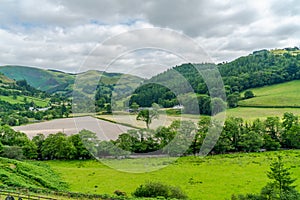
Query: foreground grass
x=284 y=94
x=212 y=177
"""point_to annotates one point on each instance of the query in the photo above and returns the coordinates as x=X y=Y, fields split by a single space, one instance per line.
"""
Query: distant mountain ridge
x=55 y=81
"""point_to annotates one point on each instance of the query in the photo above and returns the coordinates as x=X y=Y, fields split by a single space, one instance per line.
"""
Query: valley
x=98 y=133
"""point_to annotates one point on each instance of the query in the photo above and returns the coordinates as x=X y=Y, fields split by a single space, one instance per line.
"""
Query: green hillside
x=258 y=69
x=28 y=175
x=279 y=95
x=45 y=80
x=53 y=81
x=5 y=80
x=14 y=92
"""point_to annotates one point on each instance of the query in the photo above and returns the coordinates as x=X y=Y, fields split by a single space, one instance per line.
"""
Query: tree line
x=180 y=138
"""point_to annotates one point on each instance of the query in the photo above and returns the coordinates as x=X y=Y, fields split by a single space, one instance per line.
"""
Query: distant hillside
x=14 y=92
x=45 y=80
x=26 y=175
x=261 y=68
x=5 y=80
x=53 y=81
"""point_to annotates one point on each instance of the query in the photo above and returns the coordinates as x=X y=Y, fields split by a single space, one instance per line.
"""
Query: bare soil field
x=104 y=130
x=163 y=120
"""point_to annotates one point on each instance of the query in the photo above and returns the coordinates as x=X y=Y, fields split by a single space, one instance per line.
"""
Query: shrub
x=120 y=193
x=248 y=94
x=12 y=152
x=156 y=189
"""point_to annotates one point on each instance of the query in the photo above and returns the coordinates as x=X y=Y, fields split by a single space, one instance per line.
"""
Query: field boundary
x=263 y=106
x=115 y=122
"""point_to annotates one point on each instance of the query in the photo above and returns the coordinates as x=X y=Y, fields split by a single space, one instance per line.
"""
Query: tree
x=250 y=141
x=12 y=152
x=39 y=140
x=272 y=125
x=30 y=150
x=134 y=106
x=147 y=115
x=248 y=94
x=58 y=146
x=217 y=106
x=232 y=100
x=281 y=187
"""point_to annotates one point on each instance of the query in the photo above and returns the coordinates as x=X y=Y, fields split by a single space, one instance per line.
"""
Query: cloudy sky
x=76 y=35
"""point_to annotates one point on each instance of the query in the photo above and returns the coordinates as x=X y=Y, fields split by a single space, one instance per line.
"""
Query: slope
x=15 y=173
x=261 y=68
x=53 y=81
x=45 y=80
x=279 y=95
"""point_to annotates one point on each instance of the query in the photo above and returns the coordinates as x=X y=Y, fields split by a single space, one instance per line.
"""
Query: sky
x=141 y=37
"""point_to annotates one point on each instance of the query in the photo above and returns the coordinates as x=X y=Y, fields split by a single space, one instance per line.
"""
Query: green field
x=20 y=99
x=284 y=94
x=212 y=177
x=252 y=113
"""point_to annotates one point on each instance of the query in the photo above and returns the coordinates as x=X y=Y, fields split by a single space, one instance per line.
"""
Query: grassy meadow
x=284 y=94
x=212 y=177
x=251 y=113
x=20 y=100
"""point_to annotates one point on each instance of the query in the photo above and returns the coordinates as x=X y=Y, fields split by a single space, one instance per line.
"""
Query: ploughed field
x=104 y=130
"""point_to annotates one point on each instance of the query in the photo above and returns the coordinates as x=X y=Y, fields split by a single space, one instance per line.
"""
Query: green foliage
x=262 y=68
x=147 y=115
x=12 y=152
x=156 y=189
x=281 y=177
x=248 y=94
x=280 y=188
x=58 y=146
x=27 y=175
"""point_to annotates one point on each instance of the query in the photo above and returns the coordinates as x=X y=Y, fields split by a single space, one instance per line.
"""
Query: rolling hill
x=14 y=92
x=261 y=68
x=45 y=80
x=53 y=81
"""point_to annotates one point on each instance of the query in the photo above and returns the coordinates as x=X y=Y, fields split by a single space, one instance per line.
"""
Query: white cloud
x=60 y=34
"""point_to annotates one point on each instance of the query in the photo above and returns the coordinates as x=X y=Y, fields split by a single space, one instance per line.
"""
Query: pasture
x=20 y=100
x=211 y=177
x=279 y=95
x=251 y=113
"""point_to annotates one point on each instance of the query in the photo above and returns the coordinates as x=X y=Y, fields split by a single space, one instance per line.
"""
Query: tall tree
x=281 y=186
x=147 y=115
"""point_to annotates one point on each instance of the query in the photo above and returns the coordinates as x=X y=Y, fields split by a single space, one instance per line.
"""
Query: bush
x=248 y=94
x=120 y=193
x=155 y=189
x=12 y=152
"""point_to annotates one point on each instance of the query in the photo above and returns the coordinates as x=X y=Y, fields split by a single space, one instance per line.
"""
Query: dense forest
x=258 y=69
